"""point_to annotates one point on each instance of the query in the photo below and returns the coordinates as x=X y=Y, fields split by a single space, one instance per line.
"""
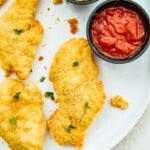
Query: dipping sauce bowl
x=118 y=31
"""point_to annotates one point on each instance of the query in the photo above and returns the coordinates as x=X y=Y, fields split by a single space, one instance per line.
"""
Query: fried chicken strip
x=22 y=121
x=20 y=35
x=63 y=74
x=80 y=95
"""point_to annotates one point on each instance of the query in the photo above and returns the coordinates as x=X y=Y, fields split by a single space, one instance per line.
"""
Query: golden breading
x=22 y=122
x=77 y=109
x=80 y=95
x=19 y=36
x=62 y=73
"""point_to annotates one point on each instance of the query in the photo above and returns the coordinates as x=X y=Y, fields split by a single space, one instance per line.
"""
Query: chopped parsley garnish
x=76 y=63
x=16 y=96
x=31 y=70
x=69 y=128
x=13 y=120
x=50 y=94
x=18 y=31
x=86 y=105
x=42 y=79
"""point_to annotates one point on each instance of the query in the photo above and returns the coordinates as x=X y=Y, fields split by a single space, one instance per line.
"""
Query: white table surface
x=139 y=137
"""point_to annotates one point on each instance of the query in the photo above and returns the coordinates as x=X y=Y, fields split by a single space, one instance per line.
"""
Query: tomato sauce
x=117 y=31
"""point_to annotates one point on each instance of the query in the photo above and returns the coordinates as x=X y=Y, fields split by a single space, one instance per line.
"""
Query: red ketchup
x=117 y=32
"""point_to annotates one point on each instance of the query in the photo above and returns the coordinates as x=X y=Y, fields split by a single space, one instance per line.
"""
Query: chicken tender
x=77 y=110
x=72 y=65
x=80 y=95
x=20 y=35
x=22 y=121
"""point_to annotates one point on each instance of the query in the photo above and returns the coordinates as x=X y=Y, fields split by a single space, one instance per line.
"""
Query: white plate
x=130 y=80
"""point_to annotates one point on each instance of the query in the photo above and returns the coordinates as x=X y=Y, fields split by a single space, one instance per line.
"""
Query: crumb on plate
x=43 y=45
x=41 y=58
x=45 y=67
x=119 y=101
x=58 y=19
x=73 y=22
x=55 y=2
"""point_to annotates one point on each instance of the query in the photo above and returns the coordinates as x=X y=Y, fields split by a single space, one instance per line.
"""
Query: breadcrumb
x=56 y=2
x=2 y=2
x=119 y=101
x=40 y=58
x=73 y=22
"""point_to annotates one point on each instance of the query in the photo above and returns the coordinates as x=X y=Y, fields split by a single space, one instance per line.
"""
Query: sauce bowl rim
x=146 y=23
x=82 y=2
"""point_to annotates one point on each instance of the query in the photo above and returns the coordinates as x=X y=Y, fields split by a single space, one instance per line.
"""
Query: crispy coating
x=119 y=102
x=27 y=133
x=62 y=73
x=20 y=35
x=80 y=95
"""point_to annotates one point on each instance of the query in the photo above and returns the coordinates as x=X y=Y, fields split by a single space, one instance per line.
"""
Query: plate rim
x=129 y=128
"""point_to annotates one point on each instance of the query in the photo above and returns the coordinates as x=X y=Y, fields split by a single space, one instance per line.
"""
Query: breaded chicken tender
x=64 y=74
x=20 y=35
x=80 y=95
x=22 y=121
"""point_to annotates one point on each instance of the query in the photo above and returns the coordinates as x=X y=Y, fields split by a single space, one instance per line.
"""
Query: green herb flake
x=31 y=70
x=42 y=79
x=16 y=96
x=76 y=63
x=13 y=120
x=86 y=106
x=18 y=31
x=50 y=94
x=69 y=128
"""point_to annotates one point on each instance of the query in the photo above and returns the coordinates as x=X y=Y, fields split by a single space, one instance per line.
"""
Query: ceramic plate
x=131 y=80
